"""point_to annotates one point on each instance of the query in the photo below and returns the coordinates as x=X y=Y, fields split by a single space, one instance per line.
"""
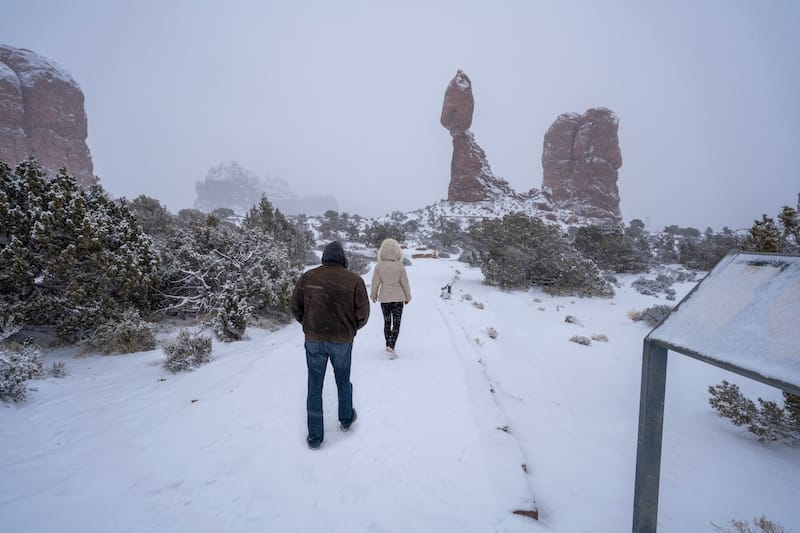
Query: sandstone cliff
x=42 y=114
x=580 y=159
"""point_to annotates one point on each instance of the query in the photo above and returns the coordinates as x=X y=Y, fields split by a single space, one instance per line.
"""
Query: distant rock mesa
x=42 y=114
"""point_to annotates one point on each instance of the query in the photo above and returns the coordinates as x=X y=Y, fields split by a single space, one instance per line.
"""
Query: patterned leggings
x=392 y=313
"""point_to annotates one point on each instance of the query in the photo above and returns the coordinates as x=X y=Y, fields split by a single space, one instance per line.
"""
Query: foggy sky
x=343 y=98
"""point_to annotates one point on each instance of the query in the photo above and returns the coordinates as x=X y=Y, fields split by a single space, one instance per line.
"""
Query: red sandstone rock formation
x=581 y=157
x=471 y=178
x=42 y=114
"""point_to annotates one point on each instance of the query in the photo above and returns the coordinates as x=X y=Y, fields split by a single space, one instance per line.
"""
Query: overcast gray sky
x=344 y=97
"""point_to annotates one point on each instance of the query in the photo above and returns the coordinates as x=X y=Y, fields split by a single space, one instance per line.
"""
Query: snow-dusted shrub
x=8 y=327
x=759 y=525
x=580 y=339
x=652 y=316
x=611 y=249
x=230 y=321
x=188 y=350
x=261 y=261
x=767 y=420
x=518 y=251
x=16 y=368
x=492 y=333
x=58 y=369
x=125 y=334
x=600 y=337
x=359 y=263
x=652 y=287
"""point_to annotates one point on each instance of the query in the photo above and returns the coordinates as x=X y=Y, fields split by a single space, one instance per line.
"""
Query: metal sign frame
x=651 y=407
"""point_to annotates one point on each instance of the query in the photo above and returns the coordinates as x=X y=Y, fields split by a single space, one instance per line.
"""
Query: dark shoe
x=314 y=444
x=346 y=426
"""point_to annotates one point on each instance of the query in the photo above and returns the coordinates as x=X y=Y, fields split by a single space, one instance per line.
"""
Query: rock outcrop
x=42 y=114
x=580 y=158
x=471 y=178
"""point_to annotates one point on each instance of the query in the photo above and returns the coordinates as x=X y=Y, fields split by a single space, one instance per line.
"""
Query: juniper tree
x=763 y=236
x=790 y=224
x=518 y=251
x=69 y=256
x=769 y=422
x=610 y=248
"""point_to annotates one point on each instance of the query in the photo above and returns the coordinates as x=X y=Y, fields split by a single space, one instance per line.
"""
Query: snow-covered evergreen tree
x=205 y=259
x=518 y=251
x=763 y=236
x=69 y=256
x=16 y=368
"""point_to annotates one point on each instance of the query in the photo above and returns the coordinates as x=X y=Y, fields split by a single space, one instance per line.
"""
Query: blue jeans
x=317 y=354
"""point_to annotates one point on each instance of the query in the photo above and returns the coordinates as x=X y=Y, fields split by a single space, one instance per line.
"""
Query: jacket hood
x=334 y=253
x=390 y=251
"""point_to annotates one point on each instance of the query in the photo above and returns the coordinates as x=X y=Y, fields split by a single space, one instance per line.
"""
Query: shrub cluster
x=218 y=270
x=69 y=256
x=127 y=333
x=518 y=251
x=653 y=287
x=611 y=249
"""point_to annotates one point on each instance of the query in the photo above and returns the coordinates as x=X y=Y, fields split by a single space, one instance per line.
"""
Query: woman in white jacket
x=390 y=285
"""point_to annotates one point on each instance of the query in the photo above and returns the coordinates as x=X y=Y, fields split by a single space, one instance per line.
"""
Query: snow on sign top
x=745 y=313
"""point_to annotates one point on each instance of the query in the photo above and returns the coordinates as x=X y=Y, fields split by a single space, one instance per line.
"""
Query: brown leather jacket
x=331 y=302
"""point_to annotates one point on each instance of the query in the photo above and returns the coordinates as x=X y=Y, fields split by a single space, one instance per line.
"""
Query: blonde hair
x=390 y=250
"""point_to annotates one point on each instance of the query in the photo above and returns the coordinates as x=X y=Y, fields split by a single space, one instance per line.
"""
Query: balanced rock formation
x=42 y=114
x=581 y=157
x=471 y=178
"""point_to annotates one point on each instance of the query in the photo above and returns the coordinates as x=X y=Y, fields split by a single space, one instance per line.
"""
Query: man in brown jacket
x=332 y=304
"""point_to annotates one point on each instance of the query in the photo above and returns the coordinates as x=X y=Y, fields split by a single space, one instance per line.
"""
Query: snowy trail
x=122 y=445
x=223 y=448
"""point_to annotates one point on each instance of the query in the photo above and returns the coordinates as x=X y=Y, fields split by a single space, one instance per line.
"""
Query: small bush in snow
x=16 y=368
x=126 y=334
x=187 y=351
x=581 y=340
x=358 y=263
x=230 y=321
x=600 y=337
x=477 y=305
x=58 y=370
x=492 y=333
x=652 y=316
x=8 y=327
x=759 y=525
x=767 y=420
x=652 y=287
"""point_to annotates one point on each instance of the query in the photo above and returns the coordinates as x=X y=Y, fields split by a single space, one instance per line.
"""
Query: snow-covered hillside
x=454 y=435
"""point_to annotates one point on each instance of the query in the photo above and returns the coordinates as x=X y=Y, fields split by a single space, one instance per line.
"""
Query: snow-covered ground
x=454 y=435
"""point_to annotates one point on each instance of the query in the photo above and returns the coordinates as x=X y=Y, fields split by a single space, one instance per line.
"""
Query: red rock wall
x=581 y=158
x=42 y=114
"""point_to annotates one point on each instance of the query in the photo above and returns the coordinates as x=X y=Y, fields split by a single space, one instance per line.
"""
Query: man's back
x=331 y=302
